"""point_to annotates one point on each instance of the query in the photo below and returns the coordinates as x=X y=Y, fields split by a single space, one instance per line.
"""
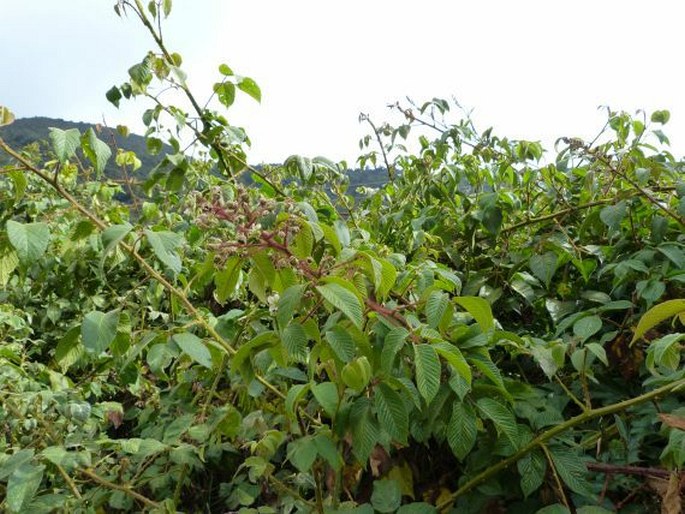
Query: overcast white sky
x=534 y=69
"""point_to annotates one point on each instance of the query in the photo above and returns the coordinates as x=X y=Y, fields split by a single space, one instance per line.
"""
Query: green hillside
x=25 y=131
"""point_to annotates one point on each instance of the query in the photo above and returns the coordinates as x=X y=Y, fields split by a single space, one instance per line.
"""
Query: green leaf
x=328 y=450
x=68 y=350
x=483 y=362
x=225 y=92
x=6 y=116
x=587 y=327
x=240 y=360
x=226 y=280
x=64 y=142
x=166 y=7
x=386 y=496
x=392 y=412
x=8 y=263
x=14 y=461
x=97 y=152
x=572 y=471
x=225 y=70
x=113 y=95
x=302 y=453
x=295 y=342
x=20 y=183
x=111 y=237
x=342 y=343
x=357 y=374
x=326 y=393
x=288 y=303
x=194 y=348
x=386 y=280
x=436 y=306
x=365 y=431
x=30 y=240
x=656 y=315
x=661 y=117
x=455 y=359
x=164 y=244
x=249 y=86
x=22 y=486
x=294 y=396
x=428 y=371
x=544 y=267
x=98 y=330
x=502 y=418
x=303 y=242
x=480 y=309
x=393 y=343
x=342 y=298
x=612 y=215
x=462 y=429
x=532 y=468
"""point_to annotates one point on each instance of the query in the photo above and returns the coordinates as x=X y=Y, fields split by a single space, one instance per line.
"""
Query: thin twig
x=116 y=487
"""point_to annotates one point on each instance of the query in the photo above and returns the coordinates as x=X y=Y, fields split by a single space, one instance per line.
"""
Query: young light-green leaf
x=225 y=92
x=6 y=116
x=480 y=309
x=656 y=315
x=30 y=240
x=98 y=330
x=249 y=86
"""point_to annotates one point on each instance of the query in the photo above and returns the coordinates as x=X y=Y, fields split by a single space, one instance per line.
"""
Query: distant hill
x=25 y=131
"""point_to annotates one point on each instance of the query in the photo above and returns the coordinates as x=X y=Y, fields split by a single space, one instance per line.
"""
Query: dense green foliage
x=486 y=332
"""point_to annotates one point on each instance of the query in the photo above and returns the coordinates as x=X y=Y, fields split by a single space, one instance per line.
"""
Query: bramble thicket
x=494 y=329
